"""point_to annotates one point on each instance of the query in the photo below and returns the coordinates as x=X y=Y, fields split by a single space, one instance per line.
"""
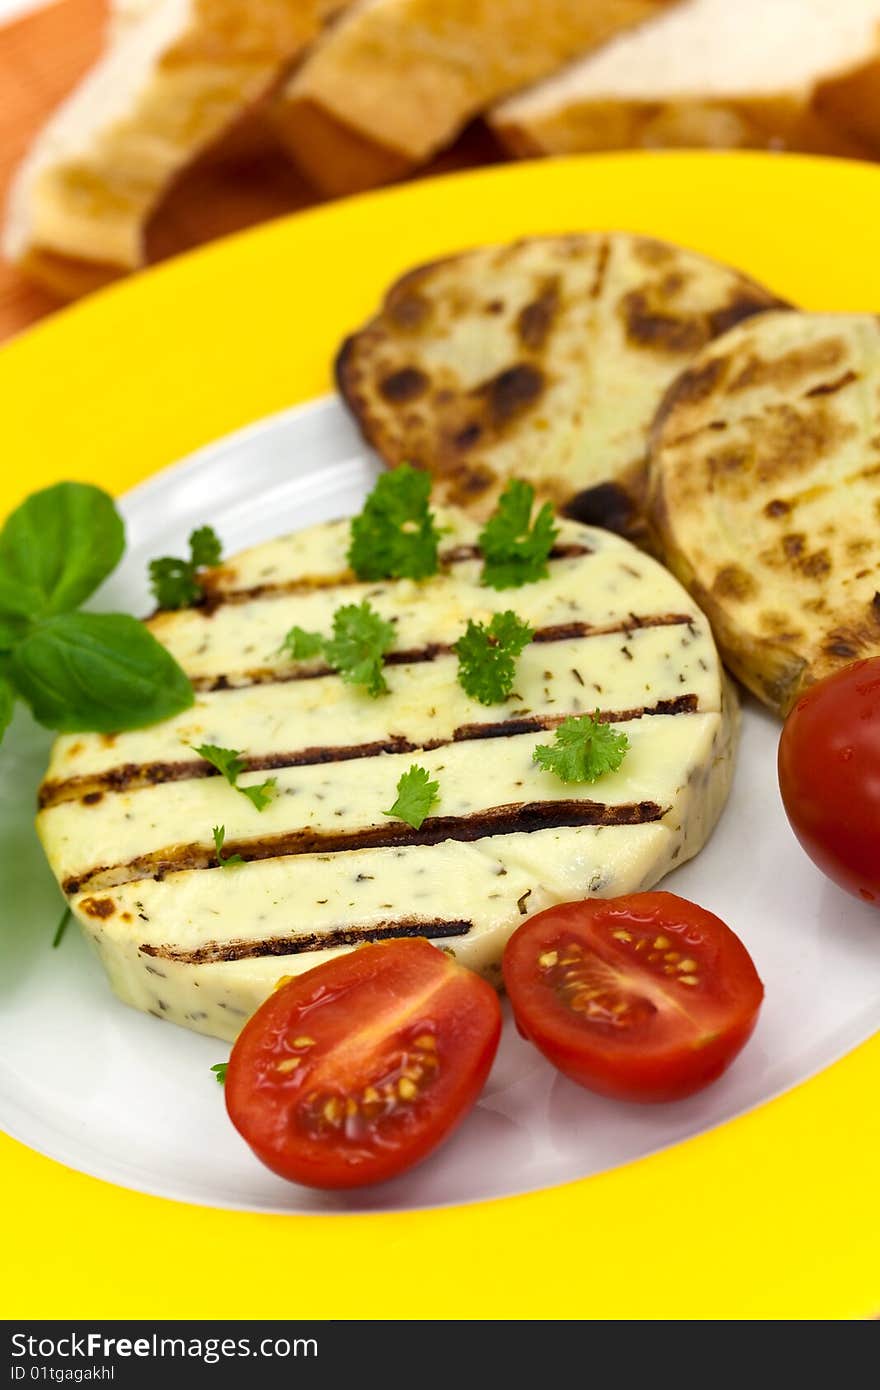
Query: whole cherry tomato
x=829 y=776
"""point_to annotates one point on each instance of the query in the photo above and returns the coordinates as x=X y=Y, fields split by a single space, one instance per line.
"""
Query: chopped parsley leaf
x=583 y=751
x=228 y=860
x=487 y=656
x=416 y=794
x=395 y=535
x=515 y=550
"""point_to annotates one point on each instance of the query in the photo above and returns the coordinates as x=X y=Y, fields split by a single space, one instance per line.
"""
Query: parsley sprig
x=416 y=794
x=360 y=639
x=219 y=1069
x=583 y=751
x=175 y=583
x=302 y=645
x=515 y=549
x=395 y=536
x=487 y=656
x=225 y=861
x=101 y=672
x=228 y=762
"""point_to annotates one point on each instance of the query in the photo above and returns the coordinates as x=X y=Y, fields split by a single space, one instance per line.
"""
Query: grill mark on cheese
x=520 y=817
x=214 y=951
x=215 y=597
x=413 y=656
x=137 y=776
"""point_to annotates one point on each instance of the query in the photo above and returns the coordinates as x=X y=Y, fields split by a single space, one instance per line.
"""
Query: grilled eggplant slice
x=544 y=360
x=765 y=494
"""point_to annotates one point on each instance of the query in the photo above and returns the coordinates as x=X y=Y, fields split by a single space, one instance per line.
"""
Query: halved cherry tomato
x=829 y=776
x=358 y=1069
x=646 y=997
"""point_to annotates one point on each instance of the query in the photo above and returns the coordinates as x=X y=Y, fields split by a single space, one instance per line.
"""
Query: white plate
x=125 y=1097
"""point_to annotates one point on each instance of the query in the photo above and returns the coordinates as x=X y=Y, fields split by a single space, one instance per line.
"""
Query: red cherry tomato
x=358 y=1069
x=829 y=776
x=646 y=997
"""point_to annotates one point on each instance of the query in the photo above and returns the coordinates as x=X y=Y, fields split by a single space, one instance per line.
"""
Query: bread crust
x=764 y=477
x=332 y=154
x=394 y=81
x=833 y=109
x=830 y=126
x=170 y=84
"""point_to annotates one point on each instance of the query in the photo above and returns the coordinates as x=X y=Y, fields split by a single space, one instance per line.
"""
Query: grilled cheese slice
x=127 y=820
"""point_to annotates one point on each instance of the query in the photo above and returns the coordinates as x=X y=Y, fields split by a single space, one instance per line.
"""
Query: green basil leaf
x=97 y=671
x=56 y=548
x=13 y=626
x=7 y=704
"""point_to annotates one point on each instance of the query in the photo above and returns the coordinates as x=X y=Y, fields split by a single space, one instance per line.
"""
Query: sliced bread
x=176 y=75
x=395 y=80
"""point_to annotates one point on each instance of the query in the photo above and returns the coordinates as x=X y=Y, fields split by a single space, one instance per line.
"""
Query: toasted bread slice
x=544 y=360
x=395 y=80
x=176 y=75
x=797 y=74
x=765 y=492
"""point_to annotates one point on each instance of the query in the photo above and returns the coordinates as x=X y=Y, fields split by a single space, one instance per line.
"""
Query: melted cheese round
x=127 y=820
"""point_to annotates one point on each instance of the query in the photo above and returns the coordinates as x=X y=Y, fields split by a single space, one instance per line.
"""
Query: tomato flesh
x=829 y=776
x=646 y=997
x=355 y=1071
